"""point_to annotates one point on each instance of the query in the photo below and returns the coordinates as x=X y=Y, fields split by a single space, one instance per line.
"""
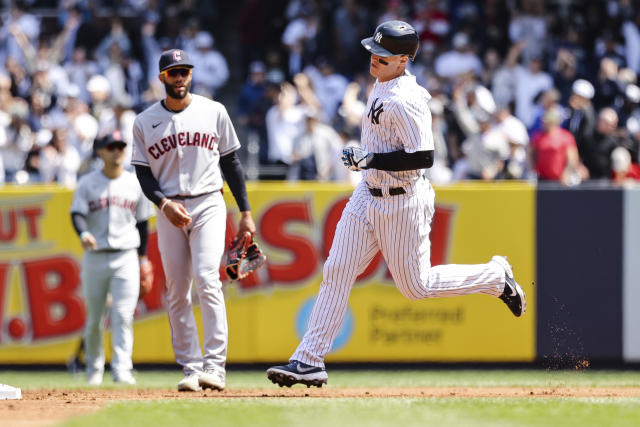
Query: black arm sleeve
x=234 y=174
x=149 y=184
x=79 y=222
x=401 y=160
x=143 y=228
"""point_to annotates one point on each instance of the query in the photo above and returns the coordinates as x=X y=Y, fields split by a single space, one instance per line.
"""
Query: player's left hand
x=356 y=158
x=146 y=277
x=246 y=223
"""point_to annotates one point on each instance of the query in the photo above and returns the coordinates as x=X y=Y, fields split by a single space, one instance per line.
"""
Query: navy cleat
x=513 y=294
x=296 y=372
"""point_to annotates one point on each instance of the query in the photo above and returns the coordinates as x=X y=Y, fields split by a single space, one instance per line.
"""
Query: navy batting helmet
x=393 y=38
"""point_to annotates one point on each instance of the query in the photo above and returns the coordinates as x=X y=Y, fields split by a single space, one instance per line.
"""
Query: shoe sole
x=283 y=378
x=185 y=388
x=502 y=261
x=211 y=387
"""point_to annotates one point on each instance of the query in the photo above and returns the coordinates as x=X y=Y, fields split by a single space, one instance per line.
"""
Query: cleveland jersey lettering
x=183 y=149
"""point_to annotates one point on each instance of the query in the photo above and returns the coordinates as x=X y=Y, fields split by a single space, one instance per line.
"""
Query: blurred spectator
x=554 y=152
x=460 y=60
x=328 y=86
x=581 y=121
x=299 y=37
x=315 y=151
x=284 y=122
x=631 y=34
x=59 y=160
x=211 y=67
x=80 y=69
x=529 y=82
x=564 y=74
x=606 y=85
x=544 y=101
x=486 y=148
x=528 y=28
x=516 y=166
x=439 y=173
x=605 y=139
x=623 y=170
x=18 y=20
x=351 y=23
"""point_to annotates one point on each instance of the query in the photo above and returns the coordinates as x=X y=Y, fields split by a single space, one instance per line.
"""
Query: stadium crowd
x=521 y=89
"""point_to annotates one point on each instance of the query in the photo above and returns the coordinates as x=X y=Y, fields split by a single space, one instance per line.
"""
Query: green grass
x=339 y=412
x=29 y=380
x=370 y=412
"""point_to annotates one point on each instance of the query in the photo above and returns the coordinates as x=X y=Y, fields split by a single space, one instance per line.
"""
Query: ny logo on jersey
x=378 y=37
x=374 y=112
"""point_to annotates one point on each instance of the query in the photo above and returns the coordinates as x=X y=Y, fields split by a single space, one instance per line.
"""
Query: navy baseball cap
x=173 y=58
x=114 y=137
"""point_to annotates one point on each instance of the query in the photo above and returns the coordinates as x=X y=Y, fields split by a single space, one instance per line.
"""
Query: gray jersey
x=112 y=208
x=183 y=149
x=398 y=118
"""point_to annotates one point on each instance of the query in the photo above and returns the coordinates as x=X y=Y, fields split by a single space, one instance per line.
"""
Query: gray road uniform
x=183 y=151
x=112 y=208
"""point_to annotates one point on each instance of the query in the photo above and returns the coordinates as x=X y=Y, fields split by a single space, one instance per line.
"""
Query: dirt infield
x=45 y=407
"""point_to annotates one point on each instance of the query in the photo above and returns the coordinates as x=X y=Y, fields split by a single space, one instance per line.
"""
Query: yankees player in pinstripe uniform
x=179 y=143
x=390 y=211
x=108 y=206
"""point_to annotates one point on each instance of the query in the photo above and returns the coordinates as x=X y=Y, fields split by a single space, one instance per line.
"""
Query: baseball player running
x=178 y=144
x=110 y=213
x=390 y=211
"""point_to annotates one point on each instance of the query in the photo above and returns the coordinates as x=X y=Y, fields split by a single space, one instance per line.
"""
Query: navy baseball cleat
x=513 y=294
x=296 y=372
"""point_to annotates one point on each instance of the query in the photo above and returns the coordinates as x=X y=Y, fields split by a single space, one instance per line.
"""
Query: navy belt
x=189 y=196
x=377 y=192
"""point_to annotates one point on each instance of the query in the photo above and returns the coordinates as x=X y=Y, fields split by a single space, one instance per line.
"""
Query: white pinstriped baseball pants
x=398 y=226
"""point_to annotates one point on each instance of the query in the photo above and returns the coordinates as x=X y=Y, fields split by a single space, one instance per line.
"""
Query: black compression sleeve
x=149 y=184
x=143 y=230
x=401 y=160
x=79 y=222
x=234 y=175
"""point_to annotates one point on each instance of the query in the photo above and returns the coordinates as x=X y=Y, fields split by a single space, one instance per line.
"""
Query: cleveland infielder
x=178 y=144
x=110 y=213
x=390 y=211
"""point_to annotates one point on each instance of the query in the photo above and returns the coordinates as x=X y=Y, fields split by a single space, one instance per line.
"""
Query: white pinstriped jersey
x=398 y=118
x=112 y=208
x=183 y=149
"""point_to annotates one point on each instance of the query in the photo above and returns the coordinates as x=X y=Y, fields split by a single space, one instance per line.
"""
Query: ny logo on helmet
x=177 y=55
x=377 y=37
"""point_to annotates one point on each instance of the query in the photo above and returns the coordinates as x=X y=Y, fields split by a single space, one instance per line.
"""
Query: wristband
x=163 y=205
x=84 y=234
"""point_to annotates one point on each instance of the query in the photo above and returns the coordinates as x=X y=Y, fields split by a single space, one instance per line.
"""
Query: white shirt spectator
x=329 y=89
x=210 y=67
x=528 y=85
x=282 y=129
x=60 y=167
x=459 y=60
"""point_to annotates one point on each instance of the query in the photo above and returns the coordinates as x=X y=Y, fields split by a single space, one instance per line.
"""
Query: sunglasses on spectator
x=174 y=72
x=113 y=147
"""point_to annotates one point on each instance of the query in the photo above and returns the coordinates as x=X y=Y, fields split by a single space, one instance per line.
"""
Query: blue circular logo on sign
x=346 y=329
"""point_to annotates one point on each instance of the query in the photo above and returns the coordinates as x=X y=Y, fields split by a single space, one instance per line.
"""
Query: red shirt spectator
x=551 y=148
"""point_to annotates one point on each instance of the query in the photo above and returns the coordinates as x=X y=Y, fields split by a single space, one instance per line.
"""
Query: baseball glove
x=243 y=257
x=146 y=277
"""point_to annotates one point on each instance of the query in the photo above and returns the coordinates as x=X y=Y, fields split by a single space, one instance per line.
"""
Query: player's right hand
x=89 y=242
x=176 y=214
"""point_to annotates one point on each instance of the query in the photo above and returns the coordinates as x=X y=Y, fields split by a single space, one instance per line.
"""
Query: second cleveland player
x=179 y=144
x=390 y=211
